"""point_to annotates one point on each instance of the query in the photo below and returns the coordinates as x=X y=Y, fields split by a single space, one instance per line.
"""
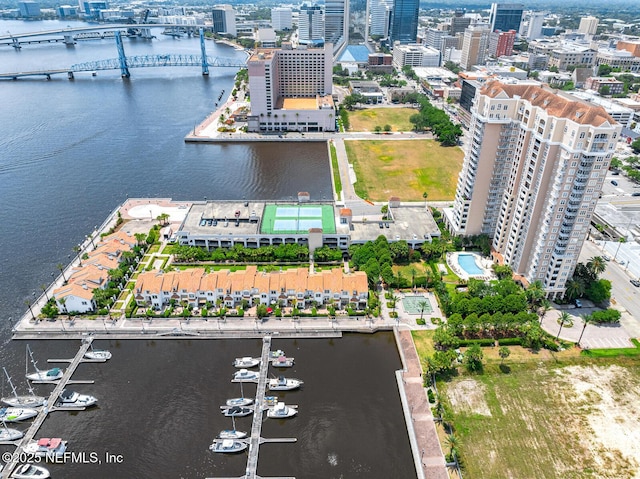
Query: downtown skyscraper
x=404 y=21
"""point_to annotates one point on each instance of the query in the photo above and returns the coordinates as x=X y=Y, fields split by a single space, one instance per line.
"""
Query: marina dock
x=256 y=427
x=50 y=405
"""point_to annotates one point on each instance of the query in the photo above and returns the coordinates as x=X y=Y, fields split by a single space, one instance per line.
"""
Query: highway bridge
x=124 y=63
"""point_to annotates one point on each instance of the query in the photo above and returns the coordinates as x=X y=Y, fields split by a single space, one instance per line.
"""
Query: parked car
x=635 y=282
x=635 y=193
x=578 y=303
x=606 y=258
x=614 y=182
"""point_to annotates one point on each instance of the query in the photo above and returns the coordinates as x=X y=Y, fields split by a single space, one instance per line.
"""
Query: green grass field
x=404 y=168
x=544 y=415
x=368 y=119
x=335 y=168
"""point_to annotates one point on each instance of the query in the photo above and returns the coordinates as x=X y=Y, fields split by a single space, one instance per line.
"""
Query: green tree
x=615 y=164
x=473 y=358
x=575 y=289
x=387 y=128
x=564 y=319
x=635 y=146
x=377 y=129
x=504 y=353
x=599 y=291
x=604 y=70
x=587 y=319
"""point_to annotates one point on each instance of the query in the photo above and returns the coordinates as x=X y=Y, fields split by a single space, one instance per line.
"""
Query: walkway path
x=430 y=452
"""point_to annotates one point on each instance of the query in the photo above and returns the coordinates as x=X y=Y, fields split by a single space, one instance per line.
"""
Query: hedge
x=510 y=342
x=479 y=342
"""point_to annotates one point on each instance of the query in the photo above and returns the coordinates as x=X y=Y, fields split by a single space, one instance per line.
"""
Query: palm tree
x=76 y=250
x=535 y=294
x=60 y=266
x=596 y=265
x=544 y=308
x=422 y=305
x=575 y=289
x=140 y=237
x=564 y=318
x=586 y=319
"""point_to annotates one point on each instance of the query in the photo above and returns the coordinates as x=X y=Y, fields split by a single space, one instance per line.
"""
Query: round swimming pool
x=468 y=263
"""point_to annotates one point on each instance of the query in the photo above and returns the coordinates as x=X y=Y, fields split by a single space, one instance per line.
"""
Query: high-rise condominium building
x=404 y=21
x=531 y=178
x=501 y=43
x=29 y=9
x=224 y=20
x=311 y=25
x=505 y=16
x=281 y=18
x=291 y=89
x=588 y=25
x=474 y=46
x=336 y=26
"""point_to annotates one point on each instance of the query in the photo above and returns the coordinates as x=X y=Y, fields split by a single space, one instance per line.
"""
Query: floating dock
x=260 y=406
x=50 y=406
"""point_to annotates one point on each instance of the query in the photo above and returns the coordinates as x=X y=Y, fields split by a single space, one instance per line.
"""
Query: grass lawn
x=404 y=168
x=547 y=415
x=337 y=183
x=368 y=119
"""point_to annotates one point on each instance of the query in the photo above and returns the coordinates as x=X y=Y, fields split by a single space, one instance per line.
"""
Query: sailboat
x=97 y=354
x=52 y=374
x=241 y=401
x=232 y=433
x=7 y=434
x=22 y=401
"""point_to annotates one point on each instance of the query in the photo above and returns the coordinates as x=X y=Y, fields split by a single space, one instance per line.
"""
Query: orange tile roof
x=73 y=289
x=559 y=106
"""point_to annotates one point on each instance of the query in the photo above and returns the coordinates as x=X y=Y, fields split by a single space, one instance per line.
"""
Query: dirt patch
x=468 y=396
x=609 y=397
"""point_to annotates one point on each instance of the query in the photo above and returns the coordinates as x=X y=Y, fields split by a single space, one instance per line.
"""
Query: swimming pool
x=468 y=263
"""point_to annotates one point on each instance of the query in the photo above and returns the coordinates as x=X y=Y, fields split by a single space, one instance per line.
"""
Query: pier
x=49 y=406
x=256 y=427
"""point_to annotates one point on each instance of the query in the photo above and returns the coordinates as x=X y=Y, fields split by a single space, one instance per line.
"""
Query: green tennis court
x=411 y=305
x=297 y=219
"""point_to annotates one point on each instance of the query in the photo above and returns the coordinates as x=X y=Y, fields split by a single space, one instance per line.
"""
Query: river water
x=70 y=152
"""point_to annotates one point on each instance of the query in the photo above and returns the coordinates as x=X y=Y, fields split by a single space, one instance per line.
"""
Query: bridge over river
x=124 y=63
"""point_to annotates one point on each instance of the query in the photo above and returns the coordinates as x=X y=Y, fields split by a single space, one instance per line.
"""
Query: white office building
x=281 y=18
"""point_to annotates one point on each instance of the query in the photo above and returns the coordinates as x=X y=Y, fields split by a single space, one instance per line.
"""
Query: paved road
x=623 y=294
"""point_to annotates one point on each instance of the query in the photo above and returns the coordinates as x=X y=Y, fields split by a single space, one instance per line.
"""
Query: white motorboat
x=236 y=411
x=22 y=401
x=47 y=447
x=281 y=411
x=7 y=434
x=72 y=399
x=97 y=354
x=284 y=384
x=276 y=354
x=232 y=433
x=239 y=402
x=228 y=445
x=244 y=375
x=282 y=362
x=15 y=414
x=52 y=374
x=246 y=362
x=30 y=471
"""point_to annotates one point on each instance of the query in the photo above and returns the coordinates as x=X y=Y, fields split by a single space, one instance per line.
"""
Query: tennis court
x=411 y=304
x=297 y=219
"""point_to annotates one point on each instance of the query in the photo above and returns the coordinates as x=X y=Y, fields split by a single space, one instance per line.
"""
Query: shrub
x=477 y=342
x=606 y=316
x=431 y=396
x=510 y=342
